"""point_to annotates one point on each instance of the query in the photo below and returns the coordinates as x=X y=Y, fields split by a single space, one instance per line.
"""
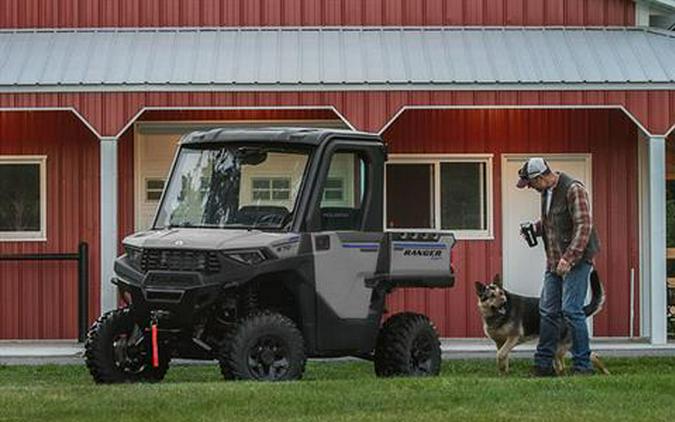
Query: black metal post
x=83 y=290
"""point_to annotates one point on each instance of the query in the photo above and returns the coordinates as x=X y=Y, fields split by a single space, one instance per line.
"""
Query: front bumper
x=181 y=297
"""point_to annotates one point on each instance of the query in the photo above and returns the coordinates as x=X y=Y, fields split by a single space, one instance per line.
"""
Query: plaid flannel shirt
x=578 y=205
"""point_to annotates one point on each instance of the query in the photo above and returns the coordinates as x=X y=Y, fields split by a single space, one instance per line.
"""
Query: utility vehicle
x=267 y=248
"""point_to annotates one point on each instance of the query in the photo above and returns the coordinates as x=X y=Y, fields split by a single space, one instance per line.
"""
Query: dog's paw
x=503 y=367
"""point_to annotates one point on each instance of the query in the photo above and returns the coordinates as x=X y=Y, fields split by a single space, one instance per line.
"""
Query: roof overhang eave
x=663 y=5
x=315 y=87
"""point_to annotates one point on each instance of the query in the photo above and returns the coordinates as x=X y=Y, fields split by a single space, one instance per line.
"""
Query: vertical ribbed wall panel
x=38 y=300
x=108 y=113
x=150 y=13
x=611 y=140
x=609 y=136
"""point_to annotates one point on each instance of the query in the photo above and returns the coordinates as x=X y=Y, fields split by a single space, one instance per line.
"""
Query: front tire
x=117 y=350
x=407 y=345
x=264 y=346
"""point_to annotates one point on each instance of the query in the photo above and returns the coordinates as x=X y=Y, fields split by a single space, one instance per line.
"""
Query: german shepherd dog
x=510 y=319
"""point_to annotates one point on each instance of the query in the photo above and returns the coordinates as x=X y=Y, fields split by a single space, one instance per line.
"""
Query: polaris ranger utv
x=268 y=248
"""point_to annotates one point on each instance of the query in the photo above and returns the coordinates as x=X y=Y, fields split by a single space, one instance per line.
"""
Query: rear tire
x=407 y=345
x=117 y=350
x=264 y=346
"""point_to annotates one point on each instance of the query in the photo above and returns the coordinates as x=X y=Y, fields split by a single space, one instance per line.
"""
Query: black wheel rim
x=422 y=355
x=129 y=351
x=268 y=358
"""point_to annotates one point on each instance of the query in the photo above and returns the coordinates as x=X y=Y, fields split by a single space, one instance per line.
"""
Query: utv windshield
x=233 y=186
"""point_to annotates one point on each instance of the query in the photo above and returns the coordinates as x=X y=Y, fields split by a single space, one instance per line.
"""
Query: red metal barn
x=94 y=95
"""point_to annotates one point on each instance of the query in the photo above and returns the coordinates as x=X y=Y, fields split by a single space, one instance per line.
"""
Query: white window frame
x=30 y=236
x=148 y=190
x=342 y=189
x=271 y=189
x=436 y=160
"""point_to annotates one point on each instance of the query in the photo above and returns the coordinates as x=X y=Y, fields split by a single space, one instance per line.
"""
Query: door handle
x=322 y=243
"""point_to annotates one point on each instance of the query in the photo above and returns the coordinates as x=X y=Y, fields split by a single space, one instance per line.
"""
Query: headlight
x=134 y=256
x=249 y=257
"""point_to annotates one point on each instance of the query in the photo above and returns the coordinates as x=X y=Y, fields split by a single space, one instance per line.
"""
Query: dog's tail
x=597 y=296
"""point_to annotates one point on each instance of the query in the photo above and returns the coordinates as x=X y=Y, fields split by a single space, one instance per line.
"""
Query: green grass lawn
x=639 y=388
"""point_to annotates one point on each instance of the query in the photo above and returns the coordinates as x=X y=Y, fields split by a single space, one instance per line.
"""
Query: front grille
x=180 y=260
x=169 y=280
x=160 y=296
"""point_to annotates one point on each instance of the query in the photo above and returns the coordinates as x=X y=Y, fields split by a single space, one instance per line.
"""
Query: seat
x=339 y=218
x=268 y=215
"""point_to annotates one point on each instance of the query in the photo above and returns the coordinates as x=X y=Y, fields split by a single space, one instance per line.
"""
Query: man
x=571 y=242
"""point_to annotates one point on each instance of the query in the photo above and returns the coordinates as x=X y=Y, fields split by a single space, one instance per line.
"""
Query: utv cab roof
x=306 y=136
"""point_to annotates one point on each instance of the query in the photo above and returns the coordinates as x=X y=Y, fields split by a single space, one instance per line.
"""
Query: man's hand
x=563 y=267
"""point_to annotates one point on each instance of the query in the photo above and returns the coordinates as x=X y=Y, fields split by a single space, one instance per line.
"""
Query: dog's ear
x=480 y=288
x=497 y=280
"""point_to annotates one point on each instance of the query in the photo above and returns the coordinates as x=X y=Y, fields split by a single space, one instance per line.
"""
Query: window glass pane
x=235 y=187
x=333 y=195
x=343 y=193
x=332 y=183
x=281 y=184
x=280 y=195
x=334 y=189
x=275 y=189
x=153 y=189
x=19 y=197
x=155 y=184
x=153 y=195
x=410 y=201
x=261 y=183
x=261 y=194
x=463 y=200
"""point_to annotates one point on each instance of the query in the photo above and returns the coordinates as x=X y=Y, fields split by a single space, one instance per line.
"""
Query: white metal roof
x=381 y=58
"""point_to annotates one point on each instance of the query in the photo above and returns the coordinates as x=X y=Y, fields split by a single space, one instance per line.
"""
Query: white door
x=524 y=266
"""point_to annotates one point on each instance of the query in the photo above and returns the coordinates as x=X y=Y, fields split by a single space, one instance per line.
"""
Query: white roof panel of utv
x=381 y=58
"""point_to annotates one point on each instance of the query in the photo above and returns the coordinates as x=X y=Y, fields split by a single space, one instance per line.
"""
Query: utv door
x=347 y=237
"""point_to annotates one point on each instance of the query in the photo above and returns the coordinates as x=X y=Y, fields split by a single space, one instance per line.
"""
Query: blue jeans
x=562 y=301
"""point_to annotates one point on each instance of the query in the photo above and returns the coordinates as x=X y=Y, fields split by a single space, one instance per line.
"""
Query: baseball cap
x=533 y=167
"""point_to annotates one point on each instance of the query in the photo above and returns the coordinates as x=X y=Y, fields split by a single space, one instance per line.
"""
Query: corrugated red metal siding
x=38 y=300
x=153 y=13
x=108 y=113
x=239 y=115
x=365 y=110
x=612 y=139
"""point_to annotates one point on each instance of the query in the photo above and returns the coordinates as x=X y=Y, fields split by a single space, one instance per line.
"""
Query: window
x=463 y=196
x=22 y=198
x=410 y=184
x=271 y=189
x=334 y=190
x=440 y=193
x=153 y=189
x=343 y=192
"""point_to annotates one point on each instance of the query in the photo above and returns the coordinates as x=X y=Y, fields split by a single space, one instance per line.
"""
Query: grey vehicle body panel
x=341 y=272
x=207 y=239
x=414 y=257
